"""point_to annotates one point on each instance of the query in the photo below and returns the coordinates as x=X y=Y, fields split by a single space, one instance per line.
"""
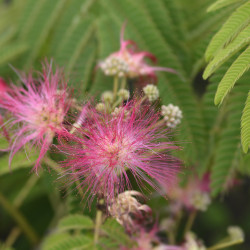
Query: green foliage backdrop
x=76 y=34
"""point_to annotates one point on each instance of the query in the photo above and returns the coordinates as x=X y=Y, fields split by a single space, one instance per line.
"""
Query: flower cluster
x=109 y=146
x=172 y=115
x=38 y=109
x=129 y=62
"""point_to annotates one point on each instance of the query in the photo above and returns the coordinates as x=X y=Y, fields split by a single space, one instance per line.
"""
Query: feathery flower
x=3 y=89
x=129 y=62
x=194 y=196
x=108 y=146
x=38 y=110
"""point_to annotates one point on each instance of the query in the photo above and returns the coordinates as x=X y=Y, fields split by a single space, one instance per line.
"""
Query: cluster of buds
x=235 y=233
x=195 y=195
x=172 y=115
x=128 y=62
x=151 y=92
x=107 y=96
x=192 y=243
x=129 y=212
x=114 y=66
x=123 y=94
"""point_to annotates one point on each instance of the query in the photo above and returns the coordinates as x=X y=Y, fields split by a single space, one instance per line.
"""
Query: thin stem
x=57 y=168
x=98 y=223
x=224 y=244
x=25 y=190
x=20 y=219
x=115 y=86
x=119 y=101
x=15 y=232
x=190 y=221
x=48 y=161
x=124 y=82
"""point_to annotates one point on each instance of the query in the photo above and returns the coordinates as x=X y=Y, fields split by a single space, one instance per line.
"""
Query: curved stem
x=190 y=221
x=20 y=219
x=25 y=190
x=58 y=169
x=224 y=244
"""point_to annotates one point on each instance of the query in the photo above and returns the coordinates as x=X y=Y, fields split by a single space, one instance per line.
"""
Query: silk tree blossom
x=129 y=212
x=3 y=89
x=194 y=196
x=129 y=62
x=107 y=147
x=38 y=110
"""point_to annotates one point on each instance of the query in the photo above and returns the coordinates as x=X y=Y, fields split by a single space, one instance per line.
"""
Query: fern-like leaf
x=237 y=69
x=235 y=23
x=224 y=54
x=245 y=126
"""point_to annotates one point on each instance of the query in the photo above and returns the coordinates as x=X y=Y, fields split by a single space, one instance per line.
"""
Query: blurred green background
x=79 y=33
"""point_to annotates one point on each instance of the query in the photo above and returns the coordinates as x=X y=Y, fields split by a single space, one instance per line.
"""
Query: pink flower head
x=3 y=87
x=130 y=62
x=194 y=195
x=107 y=146
x=38 y=110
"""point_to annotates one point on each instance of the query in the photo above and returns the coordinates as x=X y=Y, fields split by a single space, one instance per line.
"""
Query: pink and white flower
x=107 y=147
x=37 y=109
x=130 y=62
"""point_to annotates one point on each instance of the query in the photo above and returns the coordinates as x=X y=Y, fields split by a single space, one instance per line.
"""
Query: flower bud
x=124 y=94
x=172 y=115
x=235 y=233
x=107 y=96
x=100 y=107
x=152 y=92
x=114 y=66
x=200 y=200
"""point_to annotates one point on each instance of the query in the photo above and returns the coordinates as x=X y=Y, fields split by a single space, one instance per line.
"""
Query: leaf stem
x=20 y=219
x=190 y=221
x=98 y=223
x=225 y=244
x=115 y=86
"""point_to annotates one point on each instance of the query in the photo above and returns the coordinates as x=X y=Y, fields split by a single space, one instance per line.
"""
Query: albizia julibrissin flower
x=107 y=147
x=37 y=111
x=130 y=62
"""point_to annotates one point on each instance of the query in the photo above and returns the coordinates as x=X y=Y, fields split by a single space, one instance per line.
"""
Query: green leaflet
x=65 y=242
x=20 y=160
x=75 y=222
x=12 y=51
x=236 y=70
x=245 y=126
x=226 y=146
x=224 y=54
x=116 y=232
x=235 y=23
x=220 y=4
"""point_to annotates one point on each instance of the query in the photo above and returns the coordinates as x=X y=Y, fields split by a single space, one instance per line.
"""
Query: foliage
x=77 y=34
x=230 y=39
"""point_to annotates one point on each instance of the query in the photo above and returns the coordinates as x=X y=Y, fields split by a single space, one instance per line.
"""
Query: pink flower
x=195 y=195
x=107 y=146
x=129 y=62
x=3 y=89
x=38 y=110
